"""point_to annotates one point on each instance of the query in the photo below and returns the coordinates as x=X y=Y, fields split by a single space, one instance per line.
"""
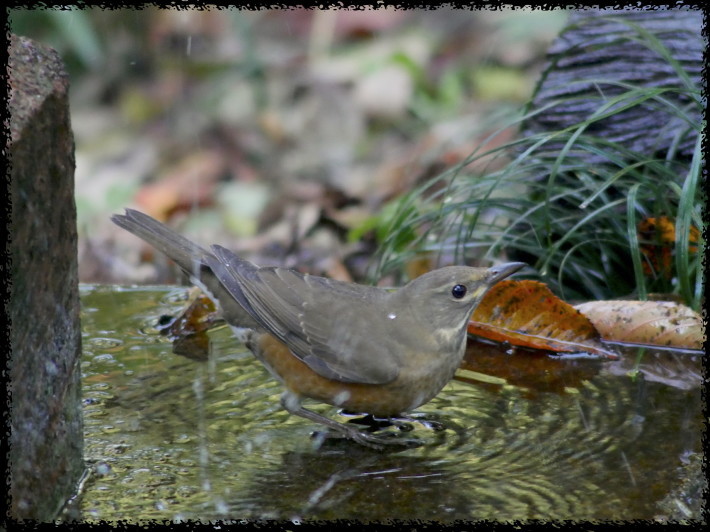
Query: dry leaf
x=198 y=316
x=188 y=183
x=663 y=323
x=419 y=265
x=657 y=239
x=189 y=330
x=528 y=314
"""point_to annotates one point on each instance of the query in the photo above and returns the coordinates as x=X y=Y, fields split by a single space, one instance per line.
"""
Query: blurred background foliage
x=355 y=144
x=600 y=191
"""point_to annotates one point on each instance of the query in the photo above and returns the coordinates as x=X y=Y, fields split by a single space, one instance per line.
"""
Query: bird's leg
x=292 y=403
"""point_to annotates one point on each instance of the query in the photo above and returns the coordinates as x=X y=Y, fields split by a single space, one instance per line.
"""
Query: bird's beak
x=504 y=270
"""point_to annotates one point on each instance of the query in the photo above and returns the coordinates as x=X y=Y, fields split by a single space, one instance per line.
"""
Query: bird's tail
x=186 y=254
x=191 y=258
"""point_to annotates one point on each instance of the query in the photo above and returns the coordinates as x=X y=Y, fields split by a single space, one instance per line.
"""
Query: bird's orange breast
x=381 y=400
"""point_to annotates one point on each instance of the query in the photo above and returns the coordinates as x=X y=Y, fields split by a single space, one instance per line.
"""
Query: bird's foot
x=402 y=422
x=373 y=441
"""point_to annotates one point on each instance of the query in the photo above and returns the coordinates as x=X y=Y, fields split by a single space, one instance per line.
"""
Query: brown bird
x=361 y=348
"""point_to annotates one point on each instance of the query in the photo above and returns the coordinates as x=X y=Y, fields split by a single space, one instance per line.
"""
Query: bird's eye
x=458 y=291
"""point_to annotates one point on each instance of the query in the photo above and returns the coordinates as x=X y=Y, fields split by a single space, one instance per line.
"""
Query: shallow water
x=169 y=438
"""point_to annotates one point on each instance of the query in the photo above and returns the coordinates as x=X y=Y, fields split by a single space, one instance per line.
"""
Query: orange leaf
x=189 y=330
x=657 y=241
x=662 y=323
x=528 y=314
x=191 y=181
x=198 y=316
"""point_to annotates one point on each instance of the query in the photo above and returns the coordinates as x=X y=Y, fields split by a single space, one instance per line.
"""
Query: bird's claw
x=378 y=442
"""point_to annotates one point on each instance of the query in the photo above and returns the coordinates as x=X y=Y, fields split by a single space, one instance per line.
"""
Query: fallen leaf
x=242 y=203
x=418 y=266
x=384 y=93
x=189 y=330
x=367 y=22
x=337 y=270
x=528 y=314
x=663 y=323
x=657 y=240
x=189 y=183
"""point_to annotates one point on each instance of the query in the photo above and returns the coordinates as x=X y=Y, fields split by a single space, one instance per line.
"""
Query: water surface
x=169 y=438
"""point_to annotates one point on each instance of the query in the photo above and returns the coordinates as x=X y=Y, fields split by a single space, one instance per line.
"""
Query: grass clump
x=571 y=203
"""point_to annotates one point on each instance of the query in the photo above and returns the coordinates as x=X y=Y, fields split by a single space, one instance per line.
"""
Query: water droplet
x=341 y=397
x=102 y=469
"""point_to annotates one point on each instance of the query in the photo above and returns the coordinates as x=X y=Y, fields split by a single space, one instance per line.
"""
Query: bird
x=361 y=348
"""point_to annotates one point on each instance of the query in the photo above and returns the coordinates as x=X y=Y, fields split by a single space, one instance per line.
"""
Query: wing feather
x=323 y=321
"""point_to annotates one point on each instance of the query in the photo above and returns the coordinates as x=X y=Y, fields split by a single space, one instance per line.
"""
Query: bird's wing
x=325 y=323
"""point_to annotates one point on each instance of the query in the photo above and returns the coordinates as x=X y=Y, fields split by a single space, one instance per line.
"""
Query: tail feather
x=192 y=259
x=186 y=254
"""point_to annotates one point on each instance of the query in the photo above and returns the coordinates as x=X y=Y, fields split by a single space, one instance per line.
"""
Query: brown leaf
x=337 y=270
x=657 y=239
x=419 y=265
x=663 y=323
x=188 y=183
x=199 y=316
x=189 y=330
x=528 y=314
